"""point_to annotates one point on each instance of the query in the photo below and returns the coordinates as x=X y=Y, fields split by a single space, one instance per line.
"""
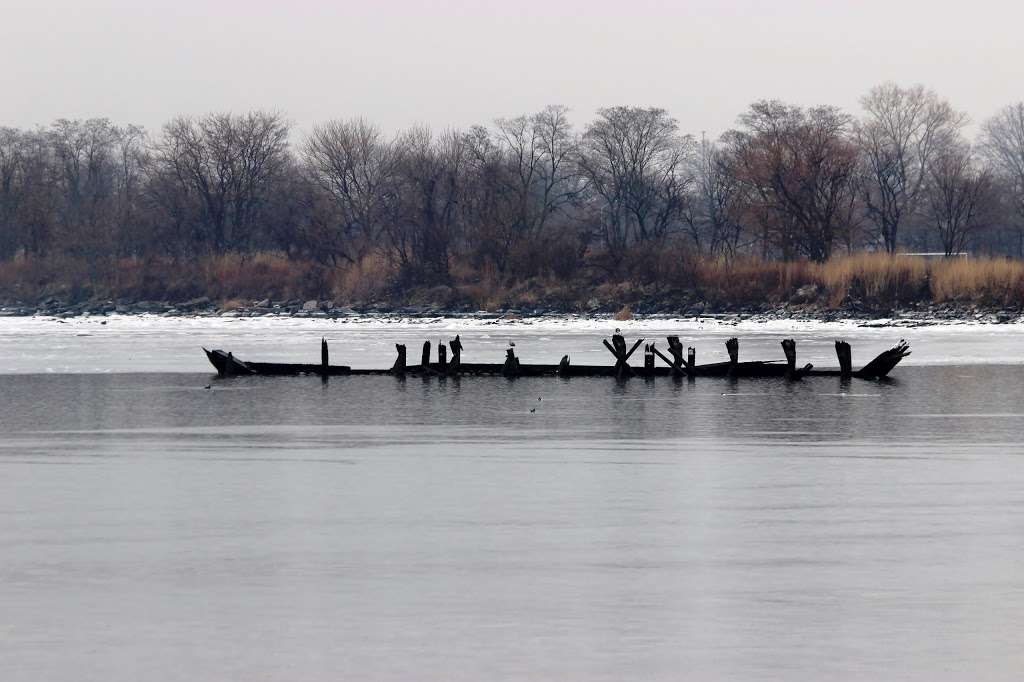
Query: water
x=379 y=529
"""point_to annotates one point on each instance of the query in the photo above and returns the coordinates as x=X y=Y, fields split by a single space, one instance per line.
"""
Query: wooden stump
x=442 y=358
x=399 y=366
x=425 y=357
x=649 y=360
x=675 y=348
x=511 y=367
x=789 y=348
x=324 y=357
x=691 y=360
x=732 y=346
x=563 y=366
x=456 y=361
x=618 y=348
x=845 y=355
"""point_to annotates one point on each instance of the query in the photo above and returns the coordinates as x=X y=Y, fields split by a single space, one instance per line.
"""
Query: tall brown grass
x=870 y=279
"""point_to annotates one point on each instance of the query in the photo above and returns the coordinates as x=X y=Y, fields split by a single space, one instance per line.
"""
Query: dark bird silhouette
x=539 y=399
x=533 y=410
x=511 y=343
x=206 y=386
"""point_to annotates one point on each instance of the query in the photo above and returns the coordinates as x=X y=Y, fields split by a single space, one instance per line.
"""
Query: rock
x=310 y=305
x=806 y=294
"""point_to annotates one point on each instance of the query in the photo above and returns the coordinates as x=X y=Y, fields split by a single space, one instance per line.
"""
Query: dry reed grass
x=874 y=279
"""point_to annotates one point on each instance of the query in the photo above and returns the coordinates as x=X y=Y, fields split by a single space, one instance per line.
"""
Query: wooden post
x=399 y=366
x=618 y=348
x=845 y=355
x=229 y=366
x=649 y=360
x=511 y=367
x=442 y=358
x=619 y=343
x=563 y=366
x=675 y=349
x=456 y=361
x=691 y=359
x=733 y=348
x=789 y=348
x=324 y=356
x=425 y=357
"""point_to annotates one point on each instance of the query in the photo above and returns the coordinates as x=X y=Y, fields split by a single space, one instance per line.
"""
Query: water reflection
x=385 y=528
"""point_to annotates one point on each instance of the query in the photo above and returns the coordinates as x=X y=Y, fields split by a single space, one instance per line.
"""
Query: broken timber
x=227 y=364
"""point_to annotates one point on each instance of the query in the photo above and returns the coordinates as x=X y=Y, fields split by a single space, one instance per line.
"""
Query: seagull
x=533 y=410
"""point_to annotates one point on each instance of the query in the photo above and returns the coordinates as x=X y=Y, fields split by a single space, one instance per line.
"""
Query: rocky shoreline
x=918 y=315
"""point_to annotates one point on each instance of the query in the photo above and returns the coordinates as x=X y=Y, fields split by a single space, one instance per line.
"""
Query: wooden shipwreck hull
x=227 y=364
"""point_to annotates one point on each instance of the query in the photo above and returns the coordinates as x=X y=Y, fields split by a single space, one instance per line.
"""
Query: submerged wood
x=227 y=365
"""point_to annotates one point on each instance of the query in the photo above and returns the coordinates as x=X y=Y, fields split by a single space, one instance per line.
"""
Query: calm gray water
x=379 y=529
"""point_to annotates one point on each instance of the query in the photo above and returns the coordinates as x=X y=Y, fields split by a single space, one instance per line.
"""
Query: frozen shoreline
x=568 y=322
x=154 y=343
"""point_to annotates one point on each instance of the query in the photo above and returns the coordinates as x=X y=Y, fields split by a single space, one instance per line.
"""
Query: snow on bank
x=124 y=343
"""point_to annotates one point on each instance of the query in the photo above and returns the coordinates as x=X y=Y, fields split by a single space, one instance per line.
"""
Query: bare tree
x=714 y=214
x=958 y=199
x=230 y=162
x=798 y=167
x=358 y=168
x=427 y=229
x=1002 y=143
x=634 y=160
x=902 y=131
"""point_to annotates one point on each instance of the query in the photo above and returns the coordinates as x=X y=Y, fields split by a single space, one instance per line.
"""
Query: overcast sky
x=456 y=63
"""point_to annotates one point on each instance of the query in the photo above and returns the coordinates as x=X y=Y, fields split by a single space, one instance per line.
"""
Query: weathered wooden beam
x=676 y=365
x=325 y=356
x=425 y=356
x=619 y=342
x=691 y=360
x=399 y=366
x=845 y=355
x=675 y=348
x=618 y=348
x=789 y=348
x=563 y=366
x=511 y=367
x=456 y=361
x=633 y=349
x=649 y=360
x=732 y=346
x=442 y=358
x=886 y=360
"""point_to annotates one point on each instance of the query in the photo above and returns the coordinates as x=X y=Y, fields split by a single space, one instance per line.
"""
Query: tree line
x=522 y=196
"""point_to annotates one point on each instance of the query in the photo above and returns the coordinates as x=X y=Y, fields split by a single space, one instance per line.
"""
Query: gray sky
x=457 y=63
